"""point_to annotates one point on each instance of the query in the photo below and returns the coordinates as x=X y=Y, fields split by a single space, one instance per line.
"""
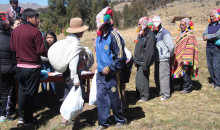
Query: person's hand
x=205 y=38
x=106 y=71
x=76 y=84
x=136 y=65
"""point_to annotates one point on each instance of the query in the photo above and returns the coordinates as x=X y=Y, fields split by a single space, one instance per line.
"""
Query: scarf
x=185 y=56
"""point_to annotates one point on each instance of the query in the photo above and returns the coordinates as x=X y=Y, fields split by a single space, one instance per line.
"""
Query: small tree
x=116 y=19
x=72 y=9
x=127 y=17
x=92 y=23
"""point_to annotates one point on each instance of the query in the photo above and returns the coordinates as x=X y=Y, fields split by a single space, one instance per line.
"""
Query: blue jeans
x=213 y=62
x=48 y=67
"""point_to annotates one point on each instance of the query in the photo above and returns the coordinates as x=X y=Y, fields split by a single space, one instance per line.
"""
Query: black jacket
x=144 y=49
x=7 y=57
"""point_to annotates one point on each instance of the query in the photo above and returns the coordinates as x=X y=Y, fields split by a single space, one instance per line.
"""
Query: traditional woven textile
x=185 y=55
x=104 y=17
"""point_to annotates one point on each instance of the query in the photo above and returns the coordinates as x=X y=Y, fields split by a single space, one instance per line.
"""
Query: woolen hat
x=104 y=17
x=156 y=20
x=76 y=26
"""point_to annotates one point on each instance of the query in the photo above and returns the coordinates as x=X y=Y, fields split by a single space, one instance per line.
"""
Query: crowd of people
x=23 y=53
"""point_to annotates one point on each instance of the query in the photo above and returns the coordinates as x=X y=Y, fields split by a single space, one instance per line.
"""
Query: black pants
x=8 y=93
x=28 y=80
x=187 y=85
x=213 y=62
x=184 y=82
x=68 y=85
x=142 y=82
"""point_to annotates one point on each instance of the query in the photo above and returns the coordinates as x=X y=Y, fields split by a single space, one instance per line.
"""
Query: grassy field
x=197 y=110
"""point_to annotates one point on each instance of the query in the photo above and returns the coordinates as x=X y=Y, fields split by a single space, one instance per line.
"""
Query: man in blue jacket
x=110 y=59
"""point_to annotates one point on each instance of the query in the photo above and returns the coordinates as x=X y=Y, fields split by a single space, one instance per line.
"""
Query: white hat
x=156 y=20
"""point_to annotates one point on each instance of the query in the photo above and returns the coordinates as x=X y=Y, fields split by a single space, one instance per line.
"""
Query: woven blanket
x=185 y=56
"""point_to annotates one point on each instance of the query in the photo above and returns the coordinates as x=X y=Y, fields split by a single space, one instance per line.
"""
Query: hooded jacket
x=165 y=45
x=144 y=49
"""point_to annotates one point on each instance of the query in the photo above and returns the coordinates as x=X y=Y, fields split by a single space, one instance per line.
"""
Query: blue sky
x=40 y=2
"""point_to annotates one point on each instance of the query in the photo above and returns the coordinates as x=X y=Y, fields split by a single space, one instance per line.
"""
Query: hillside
x=4 y=7
x=198 y=110
x=198 y=9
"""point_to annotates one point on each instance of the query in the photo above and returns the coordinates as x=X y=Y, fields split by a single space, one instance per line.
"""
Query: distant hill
x=4 y=7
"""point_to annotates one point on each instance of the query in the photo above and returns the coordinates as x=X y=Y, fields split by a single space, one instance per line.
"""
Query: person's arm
x=168 y=40
x=39 y=44
x=205 y=33
x=91 y=60
x=73 y=70
x=119 y=56
x=22 y=11
x=7 y=16
x=44 y=59
x=214 y=36
x=12 y=44
x=149 y=53
x=128 y=54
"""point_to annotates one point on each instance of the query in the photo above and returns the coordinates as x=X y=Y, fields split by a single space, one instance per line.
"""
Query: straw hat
x=76 y=26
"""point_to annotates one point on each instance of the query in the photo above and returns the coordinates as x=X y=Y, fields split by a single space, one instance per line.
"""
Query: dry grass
x=197 y=110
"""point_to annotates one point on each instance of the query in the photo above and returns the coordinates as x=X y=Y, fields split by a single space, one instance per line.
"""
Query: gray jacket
x=215 y=36
x=165 y=46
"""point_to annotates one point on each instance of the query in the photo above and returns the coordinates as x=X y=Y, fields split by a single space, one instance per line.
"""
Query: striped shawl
x=185 y=56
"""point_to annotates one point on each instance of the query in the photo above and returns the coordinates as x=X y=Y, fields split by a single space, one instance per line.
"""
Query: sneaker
x=164 y=98
x=3 y=118
x=142 y=100
x=20 y=122
x=217 y=88
x=184 y=92
x=119 y=125
x=11 y=118
x=101 y=127
x=69 y=122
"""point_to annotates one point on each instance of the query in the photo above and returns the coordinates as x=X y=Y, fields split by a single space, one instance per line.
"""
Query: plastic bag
x=217 y=42
x=93 y=92
x=72 y=106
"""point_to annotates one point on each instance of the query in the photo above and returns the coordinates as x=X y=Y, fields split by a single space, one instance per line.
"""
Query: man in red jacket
x=14 y=11
x=27 y=43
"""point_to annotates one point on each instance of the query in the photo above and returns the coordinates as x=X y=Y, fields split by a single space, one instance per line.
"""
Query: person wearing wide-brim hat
x=71 y=77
